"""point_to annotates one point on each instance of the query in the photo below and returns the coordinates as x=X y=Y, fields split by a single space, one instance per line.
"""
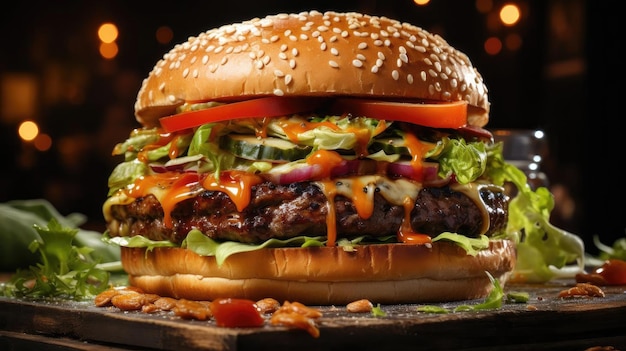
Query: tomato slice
x=272 y=106
x=436 y=115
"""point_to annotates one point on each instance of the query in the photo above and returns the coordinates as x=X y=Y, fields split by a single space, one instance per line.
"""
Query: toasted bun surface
x=312 y=54
x=386 y=273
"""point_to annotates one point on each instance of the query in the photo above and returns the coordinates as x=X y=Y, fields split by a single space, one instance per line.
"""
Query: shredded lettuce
x=467 y=161
x=471 y=245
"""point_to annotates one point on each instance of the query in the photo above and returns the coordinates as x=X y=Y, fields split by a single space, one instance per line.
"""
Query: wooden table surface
x=545 y=322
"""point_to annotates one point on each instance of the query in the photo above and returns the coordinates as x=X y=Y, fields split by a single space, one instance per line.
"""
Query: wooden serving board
x=545 y=322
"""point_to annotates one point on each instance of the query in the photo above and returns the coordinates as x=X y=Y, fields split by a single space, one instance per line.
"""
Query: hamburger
x=313 y=157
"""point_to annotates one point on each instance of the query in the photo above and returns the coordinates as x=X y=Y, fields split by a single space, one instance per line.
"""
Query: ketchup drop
x=236 y=313
x=612 y=272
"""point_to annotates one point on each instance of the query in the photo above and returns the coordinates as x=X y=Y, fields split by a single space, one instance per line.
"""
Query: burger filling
x=307 y=173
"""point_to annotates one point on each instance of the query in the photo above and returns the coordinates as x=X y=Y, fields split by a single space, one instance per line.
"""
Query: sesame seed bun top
x=312 y=54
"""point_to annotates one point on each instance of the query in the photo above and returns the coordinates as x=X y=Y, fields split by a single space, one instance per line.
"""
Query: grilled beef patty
x=285 y=211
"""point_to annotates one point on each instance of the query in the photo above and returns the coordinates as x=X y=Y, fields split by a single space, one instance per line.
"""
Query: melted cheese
x=360 y=190
x=473 y=192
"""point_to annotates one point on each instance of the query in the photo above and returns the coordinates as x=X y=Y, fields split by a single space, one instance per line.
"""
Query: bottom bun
x=385 y=273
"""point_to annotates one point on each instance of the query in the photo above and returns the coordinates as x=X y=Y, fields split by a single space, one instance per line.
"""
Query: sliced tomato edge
x=455 y=117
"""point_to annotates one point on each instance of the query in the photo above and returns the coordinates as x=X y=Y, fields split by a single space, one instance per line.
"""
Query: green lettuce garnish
x=494 y=300
x=65 y=270
x=544 y=251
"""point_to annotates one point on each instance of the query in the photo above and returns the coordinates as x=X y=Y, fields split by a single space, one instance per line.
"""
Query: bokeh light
x=510 y=14
x=28 y=130
x=107 y=33
x=493 y=46
x=108 y=50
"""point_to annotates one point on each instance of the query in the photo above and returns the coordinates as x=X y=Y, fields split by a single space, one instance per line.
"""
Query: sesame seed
x=395 y=74
x=292 y=63
x=423 y=76
x=171 y=98
x=361 y=57
x=323 y=46
x=404 y=58
x=374 y=69
x=334 y=51
x=283 y=47
x=279 y=92
x=333 y=39
x=205 y=59
x=162 y=87
x=432 y=73
x=282 y=56
x=278 y=73
x=195 y=73
x=294 y=52
x=378 y=42
x=409 y=78
x=357 y=63
x=362 y=45
x=288 y=79
x=293 y=38
x=333 y=64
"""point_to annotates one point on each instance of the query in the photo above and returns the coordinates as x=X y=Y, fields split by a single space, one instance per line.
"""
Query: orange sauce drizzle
x=363 y=198
x=417 y=149
x=331 y=218
x=326 y=160
x=406 y=233
x=362 y=140
x=177 y=187
x=237 y=184
x=292 y=129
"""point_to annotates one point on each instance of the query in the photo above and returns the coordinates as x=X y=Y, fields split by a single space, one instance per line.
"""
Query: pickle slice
x=263 y=149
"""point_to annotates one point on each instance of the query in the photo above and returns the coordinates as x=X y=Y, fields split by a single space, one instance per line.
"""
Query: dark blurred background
x=550 y=71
